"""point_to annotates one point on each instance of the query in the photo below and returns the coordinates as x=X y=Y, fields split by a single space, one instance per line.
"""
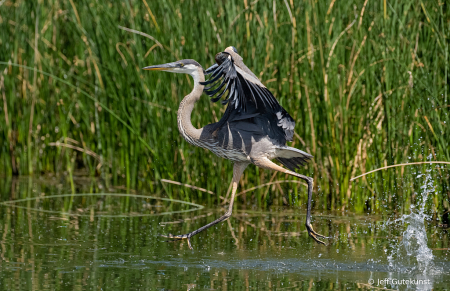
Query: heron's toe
x=175 y=238
x=314 y=234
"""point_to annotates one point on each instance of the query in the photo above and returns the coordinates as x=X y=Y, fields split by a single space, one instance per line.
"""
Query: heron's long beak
x=164 y=67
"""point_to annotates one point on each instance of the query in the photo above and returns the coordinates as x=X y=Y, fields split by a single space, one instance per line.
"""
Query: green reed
x=341 y=68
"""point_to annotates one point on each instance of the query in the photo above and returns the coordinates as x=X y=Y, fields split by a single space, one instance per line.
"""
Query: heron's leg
x=268 y=164
x=238 y=169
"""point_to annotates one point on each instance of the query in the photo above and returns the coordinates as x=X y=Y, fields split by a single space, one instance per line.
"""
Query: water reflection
x=110 y=242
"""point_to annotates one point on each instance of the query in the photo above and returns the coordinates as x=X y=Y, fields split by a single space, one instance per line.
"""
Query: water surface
x=52 y=240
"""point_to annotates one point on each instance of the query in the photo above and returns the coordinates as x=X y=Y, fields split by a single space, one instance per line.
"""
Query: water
x=111 y=242
x=412 y=254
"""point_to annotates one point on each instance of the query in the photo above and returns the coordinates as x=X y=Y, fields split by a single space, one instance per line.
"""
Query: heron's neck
x=187 y=130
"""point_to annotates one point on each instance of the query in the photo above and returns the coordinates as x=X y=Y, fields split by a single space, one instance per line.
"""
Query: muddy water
x=52 y=240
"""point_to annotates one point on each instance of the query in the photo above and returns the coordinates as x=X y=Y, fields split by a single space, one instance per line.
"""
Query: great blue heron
x=253 y=130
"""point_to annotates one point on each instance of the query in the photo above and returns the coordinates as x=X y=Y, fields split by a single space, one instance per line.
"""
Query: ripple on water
x=63 y=205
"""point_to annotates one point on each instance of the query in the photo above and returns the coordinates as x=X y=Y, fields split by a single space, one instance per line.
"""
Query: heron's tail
x=292 y=158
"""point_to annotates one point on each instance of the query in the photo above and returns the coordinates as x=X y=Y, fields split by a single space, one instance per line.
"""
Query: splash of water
x=412 y=255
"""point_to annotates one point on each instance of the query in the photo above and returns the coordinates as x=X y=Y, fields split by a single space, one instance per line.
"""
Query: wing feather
x=247 y=98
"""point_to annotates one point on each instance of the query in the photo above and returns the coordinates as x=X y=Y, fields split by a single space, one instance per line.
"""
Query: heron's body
x=246 y=137
x=243 y=142
x=253 y=130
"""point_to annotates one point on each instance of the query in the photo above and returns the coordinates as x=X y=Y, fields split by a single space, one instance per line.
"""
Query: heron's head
x=184 y=66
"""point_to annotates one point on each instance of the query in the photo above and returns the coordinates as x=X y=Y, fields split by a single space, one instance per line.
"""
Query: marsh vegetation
x=366 y=82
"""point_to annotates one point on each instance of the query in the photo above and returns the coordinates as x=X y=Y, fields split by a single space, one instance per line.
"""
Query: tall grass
x=366 y=82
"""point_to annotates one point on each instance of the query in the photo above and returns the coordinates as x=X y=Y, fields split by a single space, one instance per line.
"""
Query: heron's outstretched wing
x=247 y=98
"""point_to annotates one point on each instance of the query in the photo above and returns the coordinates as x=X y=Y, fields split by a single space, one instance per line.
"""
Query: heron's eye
x=181 y=65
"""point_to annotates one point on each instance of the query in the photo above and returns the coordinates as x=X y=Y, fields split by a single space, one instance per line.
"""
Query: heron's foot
x=314 y=234
x=179 y=237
